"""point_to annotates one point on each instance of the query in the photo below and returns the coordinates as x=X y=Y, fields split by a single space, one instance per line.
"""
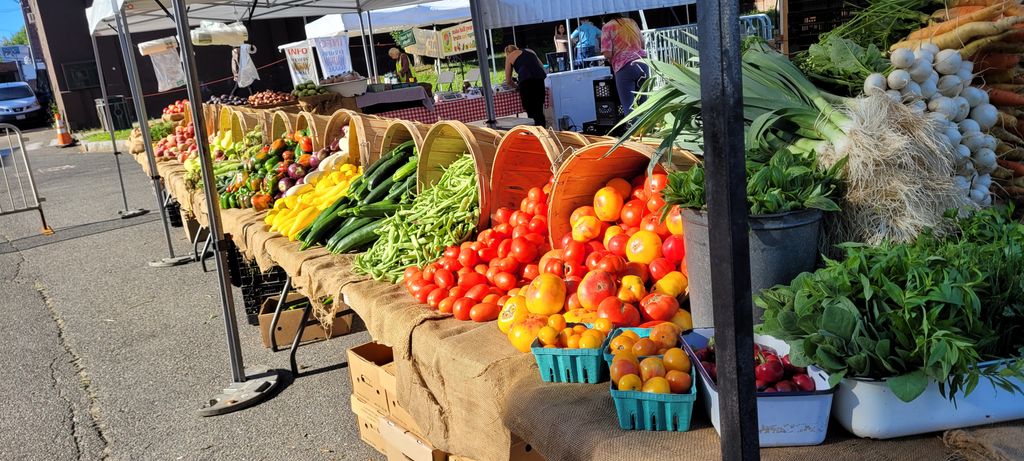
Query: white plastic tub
x=348 y=89
x=783 y=419
x=869 y=409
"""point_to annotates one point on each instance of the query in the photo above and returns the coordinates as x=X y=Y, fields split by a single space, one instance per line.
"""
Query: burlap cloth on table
x=998 y=442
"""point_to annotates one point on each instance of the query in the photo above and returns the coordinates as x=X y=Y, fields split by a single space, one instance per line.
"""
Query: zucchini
x=319 y=225
x=378 y=193
x=375 y=165
x=359 y=238
x=377 y=210
x=405 y=170
x=384 y=172
x=347 y=229
x=401 y=188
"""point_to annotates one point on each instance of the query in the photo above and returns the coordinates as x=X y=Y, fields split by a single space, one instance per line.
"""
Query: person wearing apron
x=403 y=68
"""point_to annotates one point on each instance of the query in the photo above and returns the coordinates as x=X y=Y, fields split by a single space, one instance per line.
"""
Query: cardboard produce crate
x=368 y=419
x=365 y=364
x=403 y=445
x=390 y=384
x=288 y=323
x=519 y=451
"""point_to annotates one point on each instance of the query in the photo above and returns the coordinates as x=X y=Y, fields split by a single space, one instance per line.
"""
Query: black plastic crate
x=256 y=285
x=173 y=211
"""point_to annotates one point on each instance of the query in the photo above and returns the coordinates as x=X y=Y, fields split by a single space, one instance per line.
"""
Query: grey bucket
x=781 y=247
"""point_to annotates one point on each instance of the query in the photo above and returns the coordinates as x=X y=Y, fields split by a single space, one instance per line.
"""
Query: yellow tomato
x=643 y=247
x=630 y=382
x=657 y=385
x=683 y=320
x=631 y=290
x=674 y=222
x=623 y=187
x=548 y=336
x=523 y=332
x=589 y=341
x=587 y=228
x=556 y=321
x=545 y=295
x=607 y=204
x=672 y=284
x=513 y=311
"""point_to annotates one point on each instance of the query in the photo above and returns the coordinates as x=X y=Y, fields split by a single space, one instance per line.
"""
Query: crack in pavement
x=70 y=417
x=94 y=413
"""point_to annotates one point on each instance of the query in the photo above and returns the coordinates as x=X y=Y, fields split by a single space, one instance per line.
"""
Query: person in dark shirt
x=530 y=73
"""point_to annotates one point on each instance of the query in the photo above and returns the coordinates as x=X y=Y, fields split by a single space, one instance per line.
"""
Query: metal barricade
x=661 y=44
x=18 y=192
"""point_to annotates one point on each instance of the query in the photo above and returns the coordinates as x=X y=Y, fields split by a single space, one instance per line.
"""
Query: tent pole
x=643 y=20
x=125 y=213
x=572 y=56
x=720 y=76
x=362 y=39
x=135 y=86
x=481 y=55
x=514 y=40
x=490 y=49
x=246 y=389
x=373 y=51
x=437 y=61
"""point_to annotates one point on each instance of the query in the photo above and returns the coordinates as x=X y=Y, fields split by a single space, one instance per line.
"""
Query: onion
x=969 y=126
x=963 y=108
x=944 y=106
x=947 y=62
x=950 y=85
x=986 y=115
x=902 y=58
x=898 y=79
x=874 y=84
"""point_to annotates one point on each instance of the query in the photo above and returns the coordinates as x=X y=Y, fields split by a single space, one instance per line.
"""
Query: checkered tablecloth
x=506 y=104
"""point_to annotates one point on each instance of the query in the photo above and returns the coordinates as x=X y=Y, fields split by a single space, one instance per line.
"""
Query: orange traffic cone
x=63 y=136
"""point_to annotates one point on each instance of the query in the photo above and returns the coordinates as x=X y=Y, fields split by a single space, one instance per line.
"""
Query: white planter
x=783 y=419
x=348 y=89
x=869 y=409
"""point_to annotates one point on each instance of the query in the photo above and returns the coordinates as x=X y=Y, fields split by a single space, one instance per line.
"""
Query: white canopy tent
x=508 y=13
x=391 y=19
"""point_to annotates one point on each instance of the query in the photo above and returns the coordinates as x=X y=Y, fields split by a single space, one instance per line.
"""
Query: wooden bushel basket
x=282 y=122
x=242 y=123
x=224 y=118
x=210 y=113
x=317 y=124
x=589 y=169
x=337 y=121
x=364 y=137
x=527 y=157
x=400 y=131
x=445 y=142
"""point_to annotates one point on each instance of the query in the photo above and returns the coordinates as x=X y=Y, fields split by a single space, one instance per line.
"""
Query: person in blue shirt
x=587 y=40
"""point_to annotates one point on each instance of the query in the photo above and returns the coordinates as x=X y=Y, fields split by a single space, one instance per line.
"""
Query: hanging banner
x=458 y=39
x=301 y=63
x=334 y=56
x=404 y=38
x=427 y=43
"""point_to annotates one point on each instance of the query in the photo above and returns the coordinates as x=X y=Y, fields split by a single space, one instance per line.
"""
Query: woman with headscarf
x=623 y=46
x=403 y=68
x=531 y=74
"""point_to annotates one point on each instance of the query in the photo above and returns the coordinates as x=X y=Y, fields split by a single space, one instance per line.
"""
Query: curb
x=102 y=146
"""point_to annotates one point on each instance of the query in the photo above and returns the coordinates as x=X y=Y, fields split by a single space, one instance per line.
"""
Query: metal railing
x=18 y=191
x=661 y=43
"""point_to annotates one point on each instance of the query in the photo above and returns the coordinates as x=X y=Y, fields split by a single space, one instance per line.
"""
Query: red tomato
x=451 y=252
x=655 y=204
x=467 y=257
x=530 y=271
x=444 y=278
x=661 y=266
x=595 y=287
x=523 y=250
x=633 y=212
x=525 y=205
x=574 y=253
x=471 y=279
x=553 y=266
x=659 y=307
x=594 y=258
x=535 y=194
x=485 y=235
x=595 y=245
x=504 y=247
x=491 y=272
x=428 y=271
x=540 y=209
x=652 y=222
x=639 y=193
x=612 y=264
x=484 y=312
x=424 y=291
x=462 y=307
x=673 y=248
x=502 y=230
x=520 y=231
x=573 y=302
x=463 y=271
x=504 y=281
x=536 y=239
x=480 y=268
x=655 y=183
x=502 y=215
x=617 y=244
x=478 y=292
x=576 y=271
x=538 y=225
x=503 y=299
x=566 y=239
x=487 y=254
x=639 y=270
x=509 y=265
x=409 y=272
x=519 y=217
x=451 y=264
x=458 y=291
x=446 y=304
x=491 y=298
x=435 y=296
x=572 y=283
x=579 y=213
x=618 y=312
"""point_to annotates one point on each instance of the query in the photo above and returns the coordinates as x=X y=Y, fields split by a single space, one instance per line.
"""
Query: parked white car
x=18 y=103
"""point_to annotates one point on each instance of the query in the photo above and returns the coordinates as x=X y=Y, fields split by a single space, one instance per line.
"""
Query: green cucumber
x=401 y=188
x=322 y=227
x=377 y=210
x=384 y=172
x=346 y=230
x=361 y=237
x=379 y=192
x=405 y=170
x=375 y=165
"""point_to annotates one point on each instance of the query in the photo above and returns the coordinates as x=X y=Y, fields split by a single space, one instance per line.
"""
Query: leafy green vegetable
x=840 y=62
x=776 y=183
x=160 y=130
x=882 y=22
x=928 y=310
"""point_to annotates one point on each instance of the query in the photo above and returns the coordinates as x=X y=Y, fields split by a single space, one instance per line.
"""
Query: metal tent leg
x=277 y=313
x=298 y=339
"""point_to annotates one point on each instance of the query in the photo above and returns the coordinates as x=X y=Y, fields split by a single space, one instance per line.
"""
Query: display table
x=506 y=104
x=414 y=94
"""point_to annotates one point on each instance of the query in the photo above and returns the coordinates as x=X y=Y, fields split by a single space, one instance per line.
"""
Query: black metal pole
x=721 y=82
x=480 y=34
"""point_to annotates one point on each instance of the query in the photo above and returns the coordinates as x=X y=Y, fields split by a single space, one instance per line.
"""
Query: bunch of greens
x=841 y=63
x=160 y=130
x=882 y=22
x=776 y=183
x=932 y=309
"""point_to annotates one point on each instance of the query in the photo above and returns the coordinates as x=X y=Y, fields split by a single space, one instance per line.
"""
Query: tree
x=18 y=38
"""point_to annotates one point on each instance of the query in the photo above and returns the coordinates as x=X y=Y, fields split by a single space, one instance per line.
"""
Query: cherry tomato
x=504 y=281
x=462 y=307
x=444 y=278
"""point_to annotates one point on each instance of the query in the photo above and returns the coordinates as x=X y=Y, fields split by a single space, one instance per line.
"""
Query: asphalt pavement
x=107 y=358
